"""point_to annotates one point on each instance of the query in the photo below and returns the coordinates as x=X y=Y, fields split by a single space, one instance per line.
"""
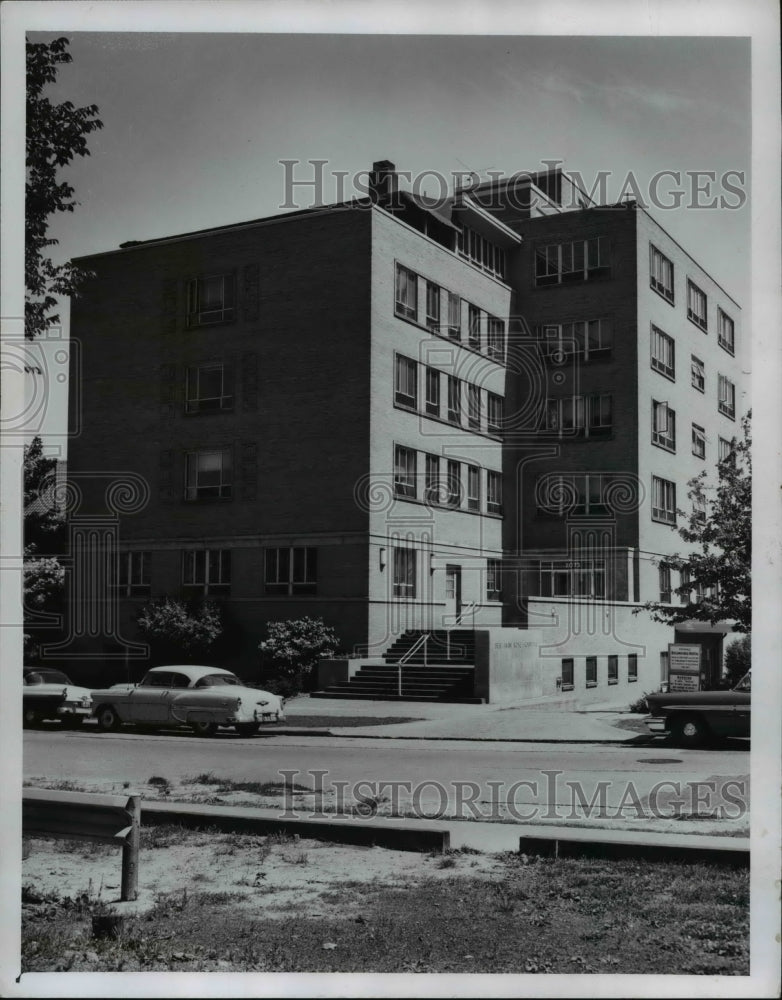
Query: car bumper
x=83 y=710
x=656 y=725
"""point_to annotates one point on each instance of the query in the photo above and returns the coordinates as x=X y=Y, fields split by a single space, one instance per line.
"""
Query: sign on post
x=684 y=666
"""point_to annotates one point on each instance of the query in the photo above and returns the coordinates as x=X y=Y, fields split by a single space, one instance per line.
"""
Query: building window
x=698 y=441
x=291 y=570
x=454 y=400
x=206 y=571
x=406 y=382
x=454 y=316
x=699 y=510
x=406 y=302
x=591 y=671
x=613 y=669
x=685 y=586
x=208 y=389
x=632 y=668
x=433 y=306
x=133 y=573
x=725 y=332
x=210 y=300
x=696 y=306
x=663 y=426
x=493 y=413
x=404 y=572
x=663 y=353
x=583 y=338
x=725 y=450
x=581 y=493
x=582 y=260
x=454 y=484
x=493 y=579
x=432 y=392
x=404 y=471
x=663 y=500
x=568 y=674
x=698 y=373
x=473 y=487
x=208 y=475
x=664 y=667
x=473 y=326
x=481 y=252
x=495 y=338
x=474 y=407
x=494 y=492
x=664 y=578
x=432 y=479
x=572 y=578
x=727 y=397
x=582 y=416
x=660 y=273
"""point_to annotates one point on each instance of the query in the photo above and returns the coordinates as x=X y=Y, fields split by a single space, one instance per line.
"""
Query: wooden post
x=130 y=852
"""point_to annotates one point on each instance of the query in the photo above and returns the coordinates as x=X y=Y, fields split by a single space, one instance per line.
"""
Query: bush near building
x=291 y=652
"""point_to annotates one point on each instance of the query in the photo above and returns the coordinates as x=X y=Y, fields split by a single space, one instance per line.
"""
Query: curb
x=637 y=739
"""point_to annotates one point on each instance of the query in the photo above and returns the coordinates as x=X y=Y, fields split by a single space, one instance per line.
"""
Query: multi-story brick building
x=365 y=411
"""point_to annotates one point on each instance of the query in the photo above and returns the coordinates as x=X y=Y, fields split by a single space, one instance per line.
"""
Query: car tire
x=108 y=720
x=247 y=728
x=30 y=717
x=690 y=731
x=204 y=728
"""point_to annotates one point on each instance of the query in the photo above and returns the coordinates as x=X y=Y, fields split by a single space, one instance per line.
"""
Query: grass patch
x=227 y=785
x=571 y=915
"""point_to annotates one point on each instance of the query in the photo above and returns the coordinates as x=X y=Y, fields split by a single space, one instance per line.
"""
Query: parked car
x=49 y=694
x=203 y=698
x=692 y=717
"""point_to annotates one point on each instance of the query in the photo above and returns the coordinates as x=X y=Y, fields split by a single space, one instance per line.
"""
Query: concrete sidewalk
x=440 y=720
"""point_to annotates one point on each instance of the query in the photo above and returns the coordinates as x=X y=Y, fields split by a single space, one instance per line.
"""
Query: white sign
x=684 y=666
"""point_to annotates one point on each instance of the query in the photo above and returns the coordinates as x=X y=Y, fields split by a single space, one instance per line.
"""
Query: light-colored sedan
x=50 y=694
x=202 y=698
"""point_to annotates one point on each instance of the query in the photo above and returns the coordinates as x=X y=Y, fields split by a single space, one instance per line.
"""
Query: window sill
x=665 y=447
x=703 y=328
x=671 y=301
x=727 y=349
x=666 y=521
x=591 y=684
x=671 y=376
x=632 y=680
x=610 y=682
x=566 y=687
x=698 y=388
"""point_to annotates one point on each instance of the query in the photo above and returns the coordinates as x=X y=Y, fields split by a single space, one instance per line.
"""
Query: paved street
x=530 y=781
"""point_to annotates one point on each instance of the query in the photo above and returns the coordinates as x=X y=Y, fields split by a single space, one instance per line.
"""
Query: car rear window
x=46 y=677
x=217 y=680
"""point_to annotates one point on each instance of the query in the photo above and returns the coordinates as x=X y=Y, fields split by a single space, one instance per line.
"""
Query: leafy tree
x=738 y=659
x=719 y=568
x=44 y=583
x=44 y=521
x=56 y=133
x=293 y=649
x=175 y=628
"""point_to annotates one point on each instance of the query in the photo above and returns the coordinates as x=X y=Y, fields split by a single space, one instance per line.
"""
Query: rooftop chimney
x=383 y=181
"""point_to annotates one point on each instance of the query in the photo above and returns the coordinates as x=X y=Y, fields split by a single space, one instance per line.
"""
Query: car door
x=148 y=702
x=178 y=684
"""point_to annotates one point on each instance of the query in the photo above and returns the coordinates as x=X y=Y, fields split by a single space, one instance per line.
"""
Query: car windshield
x=218 y=680
x=744 y=684
x=46 y=677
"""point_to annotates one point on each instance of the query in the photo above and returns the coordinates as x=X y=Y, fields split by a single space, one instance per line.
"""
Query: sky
x=196 y=126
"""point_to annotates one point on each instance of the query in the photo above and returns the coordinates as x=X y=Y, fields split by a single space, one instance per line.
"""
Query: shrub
x=738 y=659
x=641 y=706
x=174 y=627
x=292 y=651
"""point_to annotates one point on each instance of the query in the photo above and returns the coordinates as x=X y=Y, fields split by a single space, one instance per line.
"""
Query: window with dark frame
x=568 y=674
x=473 y=326
x=493 y=579
x=454 y=316
x=291 y=570
x=432 y=479
x=208 y=474
x=473 y=487
x=404 y=471
x=613 y=669
x=585 y=339
x=404 y=572
x=406 y=298
x=581 y=260
x=208 y=388
x=660 y=273
x=432 y=402
x=454 y=484
x=632 y=668
x=133 y=573
x=406 y=382
x=725 y=331
x=726 y=449
x=473 y=407
x=582 y=493
x=698 y=441
x=698 y=373
x=481 y=252
x=697 y=306
x=495 y=338
x=727 y=397
x=493 y=492
x=211 y=300
x=663 y=426
x=663 y=353
x=580 y=416
x=663 y=500
x=433 y=306
x=591 y=671
x=572 y=578
x=664 y=582
x=454 y=400
x=685 y=586
x=206 y=571
x=494 y=407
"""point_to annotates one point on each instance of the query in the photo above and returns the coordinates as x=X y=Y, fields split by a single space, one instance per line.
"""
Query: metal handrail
x=422 y=640
x=467 y=609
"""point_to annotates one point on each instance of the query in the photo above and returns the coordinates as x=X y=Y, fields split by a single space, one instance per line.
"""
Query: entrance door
x=453 y=594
